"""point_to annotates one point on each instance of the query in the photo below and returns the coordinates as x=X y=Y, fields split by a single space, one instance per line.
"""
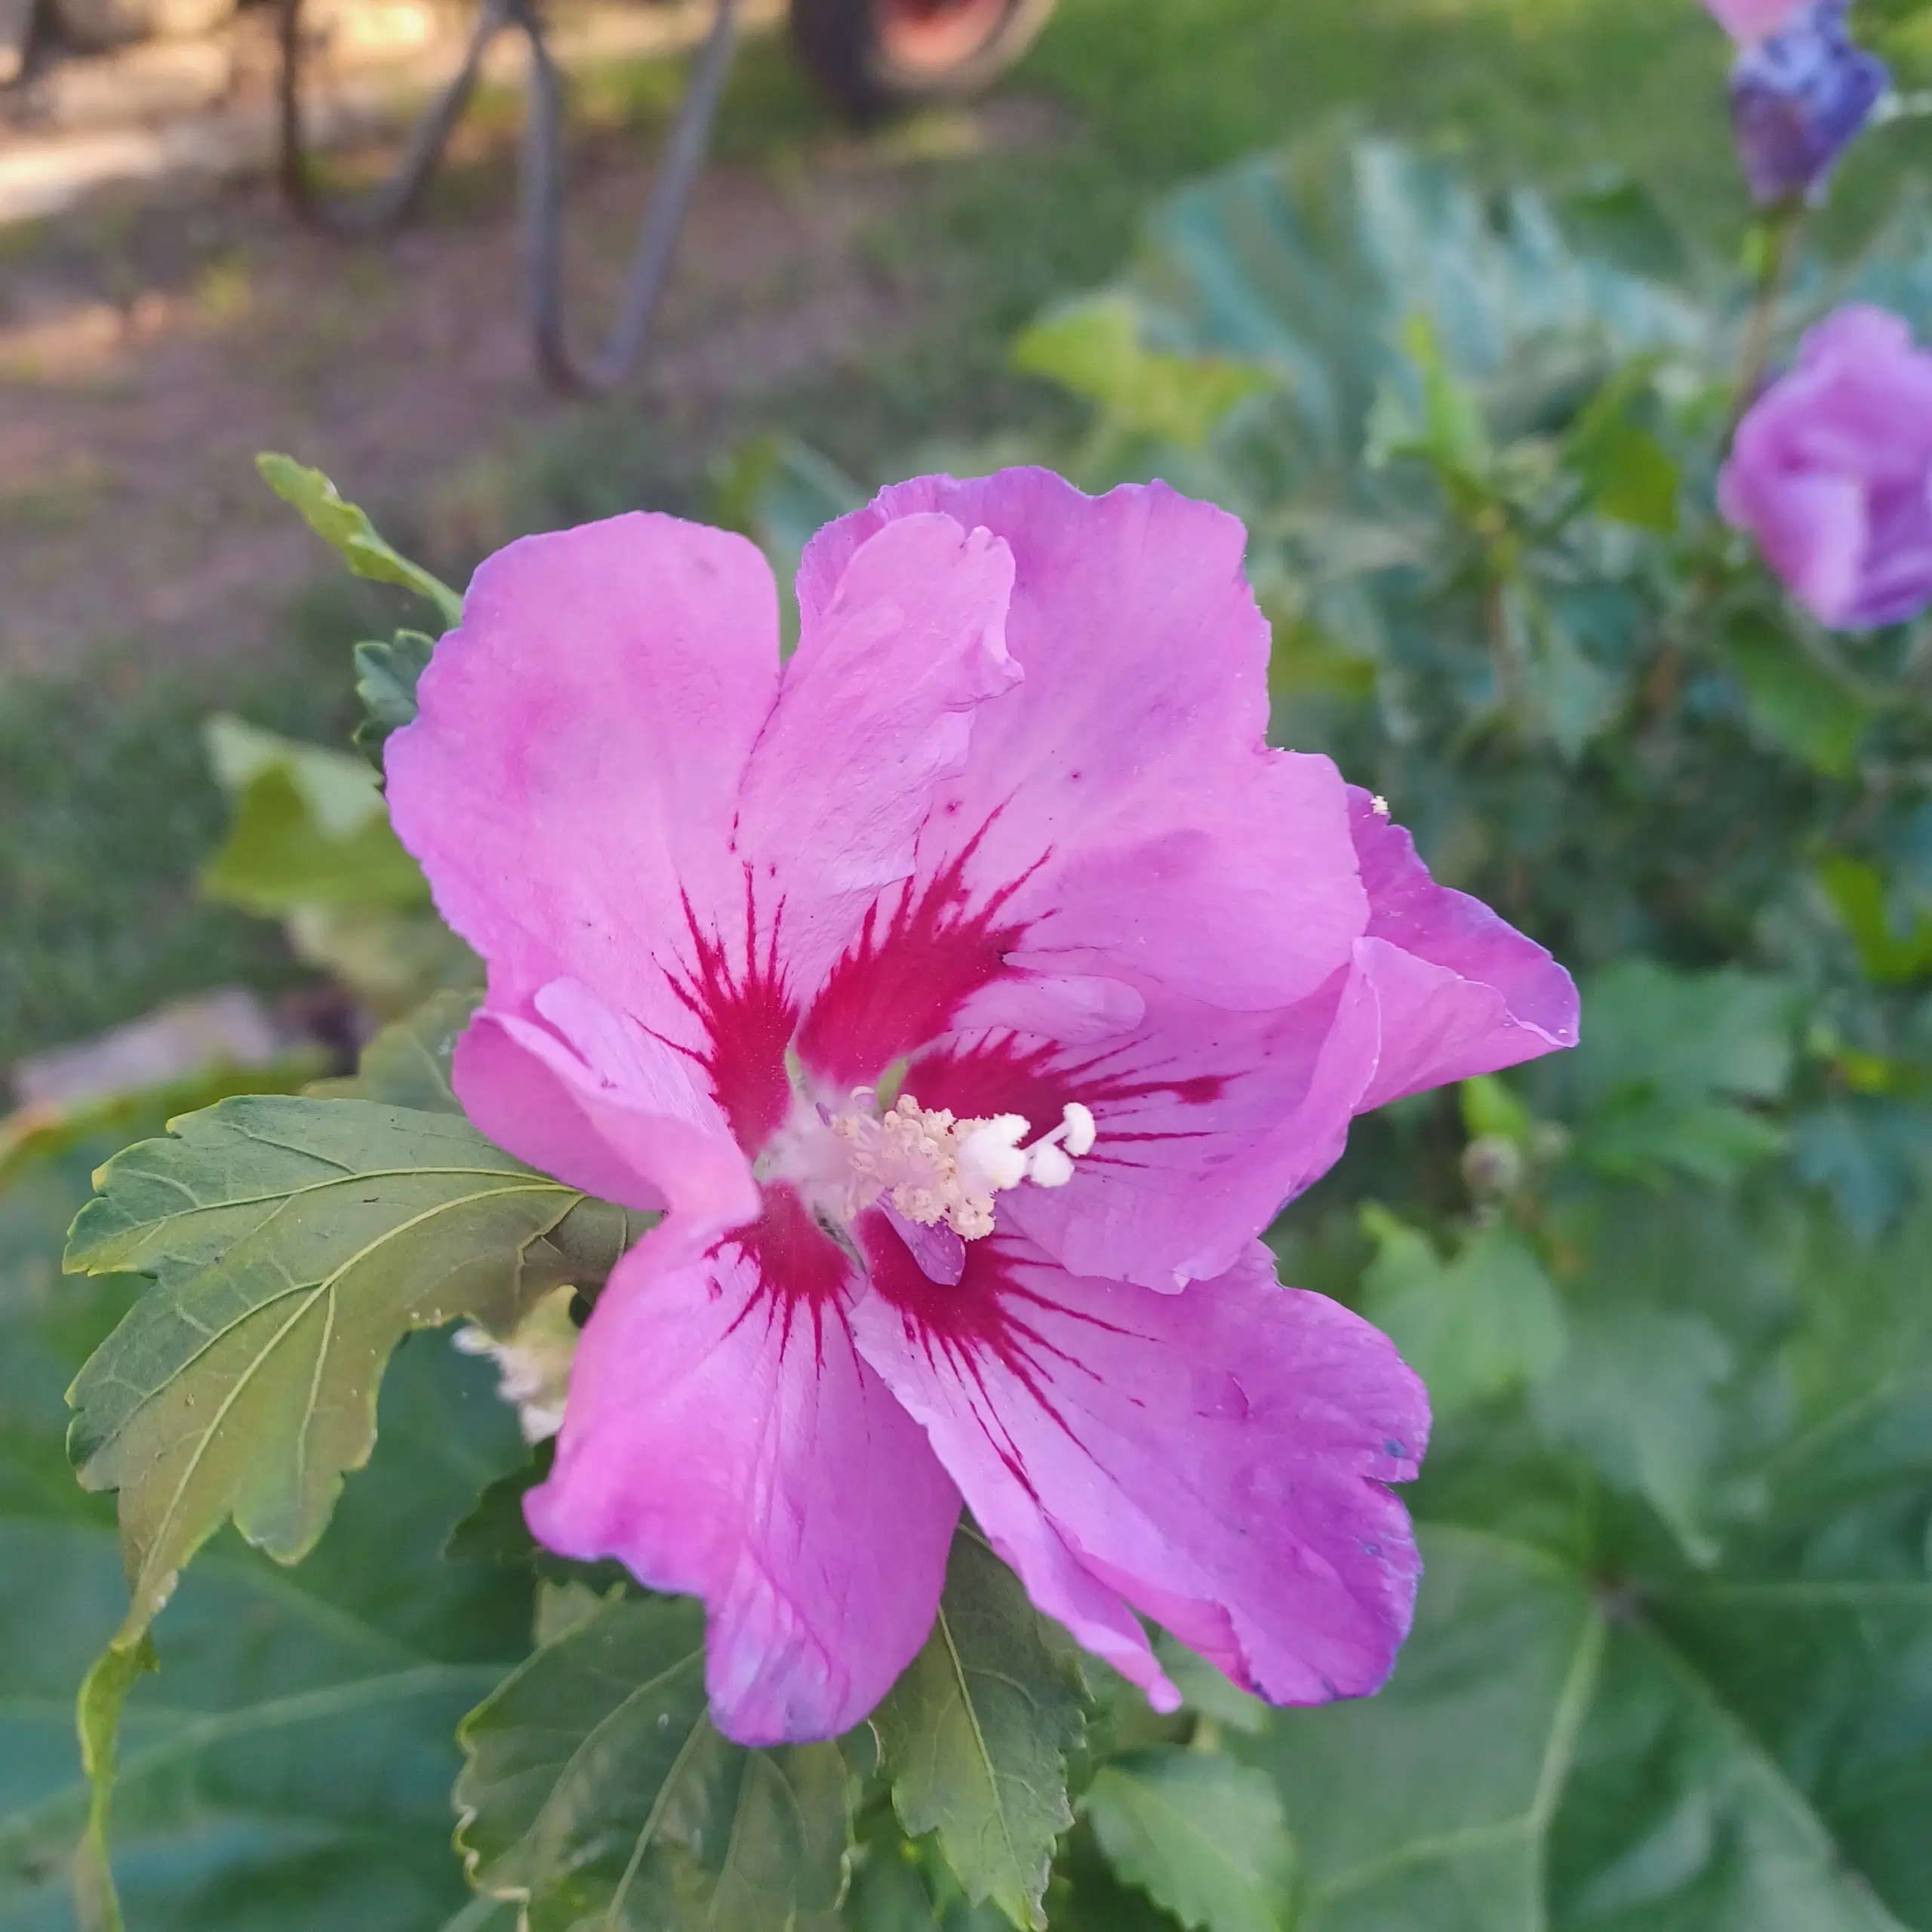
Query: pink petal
x=570 y=782
x=875 y=712
x=1459 y=991
x=1215 y=1460
x=1208 y=1121
x=586 y=1095
x=1119 y=816
x=1747 y=21
x=722 y=1438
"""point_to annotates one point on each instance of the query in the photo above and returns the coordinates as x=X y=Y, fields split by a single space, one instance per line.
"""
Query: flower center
x=929 y=1168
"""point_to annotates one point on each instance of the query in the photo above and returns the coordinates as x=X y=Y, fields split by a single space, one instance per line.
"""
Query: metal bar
x=663 y=223
x=393 y=201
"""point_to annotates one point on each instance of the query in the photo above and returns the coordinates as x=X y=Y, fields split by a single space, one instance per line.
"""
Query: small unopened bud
x=1492 y=1165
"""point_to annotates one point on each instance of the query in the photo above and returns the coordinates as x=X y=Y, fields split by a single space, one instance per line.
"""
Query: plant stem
x=1781 y=234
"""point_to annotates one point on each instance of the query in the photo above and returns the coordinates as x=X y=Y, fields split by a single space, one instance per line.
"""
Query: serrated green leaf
x=310 y=828
x=1547 y=1759
x=293 y=1243
x=291 y=1766
x=597 y=1790
x=1094 y=348
x=1202 y=1835
x=348 y=530
x=387 y=671
x=1487 y=1322
x=1795 y=701
x=974 y=1735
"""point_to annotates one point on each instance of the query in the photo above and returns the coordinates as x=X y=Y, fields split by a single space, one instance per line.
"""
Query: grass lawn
x=106 y=809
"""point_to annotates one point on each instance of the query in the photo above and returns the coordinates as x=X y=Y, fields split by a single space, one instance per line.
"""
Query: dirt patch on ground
x=148 y=351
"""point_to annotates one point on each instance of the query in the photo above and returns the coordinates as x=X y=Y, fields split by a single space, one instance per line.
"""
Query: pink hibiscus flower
x=969 y=992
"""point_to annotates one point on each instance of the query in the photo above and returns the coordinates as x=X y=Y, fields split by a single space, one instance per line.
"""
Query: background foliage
x=1673 y=1661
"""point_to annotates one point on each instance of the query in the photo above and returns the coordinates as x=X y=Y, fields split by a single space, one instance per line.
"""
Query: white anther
x=990 y=1161
x=1379 y=806
x=933 y=1169
x=1048 y=1165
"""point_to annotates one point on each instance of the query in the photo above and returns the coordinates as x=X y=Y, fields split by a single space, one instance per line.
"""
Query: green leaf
x=1491 y=1107
x=407 y=1064
x=310 y=828
x=1548 y=1758
x=974 y=1735
x=1632 y=477
x=1202 y=1835
x=293 y=1243
x=1795 y=700
x=392 y=958
x=1664 y=1057
x=348 y=530
x=1206 y=1687
x=598 y=1790
x=1094 y=348
x=1487 y=1321
x=1637 y=1393
x=1889 y=955
x=386 y=674
x=291 y=1765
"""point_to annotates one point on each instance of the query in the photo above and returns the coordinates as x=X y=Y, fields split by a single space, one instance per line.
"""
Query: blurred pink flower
x=1831 y=471
x=1003 y=835
x=1747 y=21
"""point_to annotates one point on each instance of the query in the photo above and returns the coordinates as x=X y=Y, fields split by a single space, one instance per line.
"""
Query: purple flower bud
x=1831 y=471
x=1797 y=99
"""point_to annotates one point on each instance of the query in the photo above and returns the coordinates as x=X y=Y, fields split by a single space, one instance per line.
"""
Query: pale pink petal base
x=723 y=1439
x=1215 y=1459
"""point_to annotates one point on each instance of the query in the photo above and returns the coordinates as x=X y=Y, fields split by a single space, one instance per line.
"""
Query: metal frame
x=541 y=182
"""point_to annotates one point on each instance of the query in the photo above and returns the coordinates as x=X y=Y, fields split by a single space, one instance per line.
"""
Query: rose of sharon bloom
x=1749 y=20
x=1831 y=471
x=1798 y=98
x=969 y=992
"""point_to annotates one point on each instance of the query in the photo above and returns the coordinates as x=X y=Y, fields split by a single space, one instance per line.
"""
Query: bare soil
x=149 y=349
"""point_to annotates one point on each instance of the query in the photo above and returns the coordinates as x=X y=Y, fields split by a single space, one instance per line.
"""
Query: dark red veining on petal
x=803 y=1276
x=982 y=1322
x=748 y=1018
x=907 y=974
x=998 y=1075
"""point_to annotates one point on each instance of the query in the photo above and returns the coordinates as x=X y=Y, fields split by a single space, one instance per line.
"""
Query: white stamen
x=934 y=1169
x=1048 y=1165
x=1379 y=806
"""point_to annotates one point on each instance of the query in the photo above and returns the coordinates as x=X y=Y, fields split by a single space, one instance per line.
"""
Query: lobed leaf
x=1487 y=1321
x=346 y=529
x=974 y=1735
x=387 y=676
x=292 y=1242
x=1202 y=1835
x=291 y=1766
x=598 y=1792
